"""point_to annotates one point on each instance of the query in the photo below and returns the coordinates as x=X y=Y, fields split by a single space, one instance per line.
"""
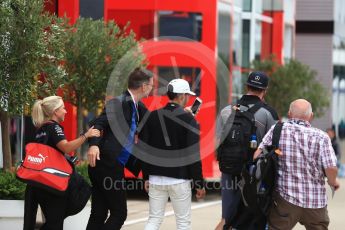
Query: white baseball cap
x=179 y=86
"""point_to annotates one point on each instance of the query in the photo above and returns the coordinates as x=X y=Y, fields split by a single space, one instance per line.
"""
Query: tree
x=292 y=81
x=93 y=48
x=30 y=53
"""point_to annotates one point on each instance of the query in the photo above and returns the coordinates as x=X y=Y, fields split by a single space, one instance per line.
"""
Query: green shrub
x=10 y=187
x=292 y=81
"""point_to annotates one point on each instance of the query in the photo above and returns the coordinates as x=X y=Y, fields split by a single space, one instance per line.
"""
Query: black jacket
x=114 y=124
x=174 y=134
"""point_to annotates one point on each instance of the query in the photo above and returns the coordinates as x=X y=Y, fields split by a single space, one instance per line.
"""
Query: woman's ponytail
x=43 y=110
x=38 y=114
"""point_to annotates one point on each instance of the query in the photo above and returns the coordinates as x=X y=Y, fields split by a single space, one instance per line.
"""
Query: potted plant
x=11 y=201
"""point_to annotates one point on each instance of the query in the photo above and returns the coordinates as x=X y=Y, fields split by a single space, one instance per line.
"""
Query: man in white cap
x=169 y=171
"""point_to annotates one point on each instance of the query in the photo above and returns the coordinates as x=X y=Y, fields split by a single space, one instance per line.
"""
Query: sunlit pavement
x=206 y=214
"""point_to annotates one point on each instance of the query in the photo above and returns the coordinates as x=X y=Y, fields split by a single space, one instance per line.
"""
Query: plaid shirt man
x=307 y=151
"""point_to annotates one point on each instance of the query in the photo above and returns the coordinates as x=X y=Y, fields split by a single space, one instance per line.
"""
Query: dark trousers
x=284 y=216
x=231 y=196
x=108 y=195
x=246 y=218
x=52 y=206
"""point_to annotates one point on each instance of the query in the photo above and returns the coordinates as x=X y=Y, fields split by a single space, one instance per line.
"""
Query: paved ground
x=206 y=214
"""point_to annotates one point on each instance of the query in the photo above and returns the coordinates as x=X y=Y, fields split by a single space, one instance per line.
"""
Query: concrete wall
x=311 y=10
x=315 y=50
x=314 y=45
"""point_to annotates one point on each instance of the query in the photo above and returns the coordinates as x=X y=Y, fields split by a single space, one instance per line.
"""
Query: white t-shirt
x=163 y=180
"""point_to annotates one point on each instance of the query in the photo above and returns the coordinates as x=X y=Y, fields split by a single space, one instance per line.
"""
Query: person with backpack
x=47 y=114
x=111 y=153
x=306 y=158
x=240 y=128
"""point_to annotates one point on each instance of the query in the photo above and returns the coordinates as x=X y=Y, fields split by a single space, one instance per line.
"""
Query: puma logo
x=43 y=158
x=37 y=160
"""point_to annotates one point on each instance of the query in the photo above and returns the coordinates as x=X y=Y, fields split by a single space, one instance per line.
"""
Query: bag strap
x=255 y=107
x=276 y=134
x=252 y=110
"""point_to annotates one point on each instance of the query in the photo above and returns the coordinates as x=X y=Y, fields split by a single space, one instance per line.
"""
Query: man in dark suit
x=110 y=153
x=173 y=160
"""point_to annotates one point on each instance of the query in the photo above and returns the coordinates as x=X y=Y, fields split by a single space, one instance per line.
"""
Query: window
x=237 y=40
x=224 y=41
x=237 y=85
x=247 y=5
x=92 y=9
x=258 y=39
x=339 y=71
x=179 y=25
x=288 y=42
x=224 y=22
x=190 y=74
x=246 y=43
x=258 y=6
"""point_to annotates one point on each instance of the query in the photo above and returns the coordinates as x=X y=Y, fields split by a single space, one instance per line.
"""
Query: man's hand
x=200 y=193
x=93 y=155
x=147 y=185
x=331 y=174
x=92 y=132
x=335 y=184
x=189 y=110
x=257 y=153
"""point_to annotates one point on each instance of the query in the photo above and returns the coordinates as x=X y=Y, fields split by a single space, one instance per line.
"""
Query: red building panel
x=278 y=36
x=141 y=15
x=70 y=9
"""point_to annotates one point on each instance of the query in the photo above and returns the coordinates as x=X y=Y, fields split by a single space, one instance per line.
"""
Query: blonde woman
x=47 y=114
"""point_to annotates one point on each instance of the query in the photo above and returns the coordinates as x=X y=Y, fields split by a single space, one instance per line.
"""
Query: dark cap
x=258 y=80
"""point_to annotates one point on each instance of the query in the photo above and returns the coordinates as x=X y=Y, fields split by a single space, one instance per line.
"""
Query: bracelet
x=83 y=135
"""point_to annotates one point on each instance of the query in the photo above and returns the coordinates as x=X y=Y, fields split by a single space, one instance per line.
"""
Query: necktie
x=127 y=148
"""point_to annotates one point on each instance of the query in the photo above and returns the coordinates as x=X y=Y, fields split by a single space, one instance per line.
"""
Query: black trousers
x=246 y=218
x=53 y=208
x=108 y=195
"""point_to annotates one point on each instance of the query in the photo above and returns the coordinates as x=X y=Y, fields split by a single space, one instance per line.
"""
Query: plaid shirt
x=306 y=152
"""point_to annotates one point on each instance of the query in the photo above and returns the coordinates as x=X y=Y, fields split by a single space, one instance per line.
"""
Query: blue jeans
x=231 y=196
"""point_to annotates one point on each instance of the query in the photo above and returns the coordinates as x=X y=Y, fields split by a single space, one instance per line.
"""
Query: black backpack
x=259 y=177
x=234 y=149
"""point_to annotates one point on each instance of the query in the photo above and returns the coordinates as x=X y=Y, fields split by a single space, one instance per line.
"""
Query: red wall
x=278 y=36
x=70 y=9
x=141 y=22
